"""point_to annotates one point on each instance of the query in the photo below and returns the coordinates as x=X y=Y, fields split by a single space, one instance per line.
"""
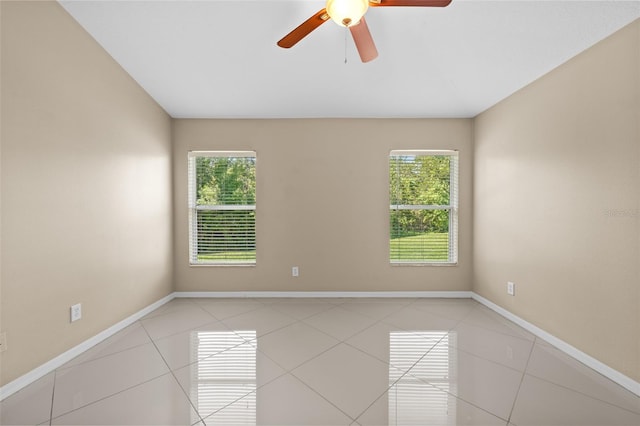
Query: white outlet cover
x=511 y=287
x=76 y=312
x=294 y=271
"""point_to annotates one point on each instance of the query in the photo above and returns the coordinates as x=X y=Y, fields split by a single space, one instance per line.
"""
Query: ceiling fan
x=350 y=14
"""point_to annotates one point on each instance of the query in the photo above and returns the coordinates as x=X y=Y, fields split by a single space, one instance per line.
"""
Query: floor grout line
x=168 y=311
x=584 y=394
x=204 y=324
x=322 y=396
x=53 y=396
x=109 y=396
x=398 y=379
x=65 y=367
x=173 y=375
x=524 y=373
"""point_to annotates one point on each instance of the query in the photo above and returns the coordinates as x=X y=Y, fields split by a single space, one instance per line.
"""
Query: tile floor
x=323 y=362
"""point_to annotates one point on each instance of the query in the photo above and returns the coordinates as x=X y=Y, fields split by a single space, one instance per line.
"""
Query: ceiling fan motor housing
x=347 y=12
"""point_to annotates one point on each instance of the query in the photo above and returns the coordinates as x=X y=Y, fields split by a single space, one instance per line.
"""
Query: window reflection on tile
x=412 y=400
x=221 y=378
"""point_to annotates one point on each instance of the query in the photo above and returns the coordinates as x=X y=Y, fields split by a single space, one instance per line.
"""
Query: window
x=423 y=190
x=222 y=204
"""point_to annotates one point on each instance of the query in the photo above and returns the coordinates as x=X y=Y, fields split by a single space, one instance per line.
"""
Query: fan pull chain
x=345 y=44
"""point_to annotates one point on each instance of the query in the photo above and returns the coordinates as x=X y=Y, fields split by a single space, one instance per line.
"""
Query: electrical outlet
x=76 y=312
x=511 y=288
x=294 y=271
x=3 y=341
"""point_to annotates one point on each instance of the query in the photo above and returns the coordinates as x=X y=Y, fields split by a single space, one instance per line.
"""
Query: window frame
x=452 y=207
x=193 y=207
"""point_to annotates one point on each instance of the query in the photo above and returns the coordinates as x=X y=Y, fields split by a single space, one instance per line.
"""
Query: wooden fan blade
x=304 y=29
x=415 y=3
x=364 y=42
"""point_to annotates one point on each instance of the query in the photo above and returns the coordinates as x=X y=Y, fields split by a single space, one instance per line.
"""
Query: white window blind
x=222 y=204
x=423 y=192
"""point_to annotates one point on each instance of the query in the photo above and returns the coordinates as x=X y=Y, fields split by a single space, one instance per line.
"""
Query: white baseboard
x=46 y=368
x=327 y=294
x=621 y=379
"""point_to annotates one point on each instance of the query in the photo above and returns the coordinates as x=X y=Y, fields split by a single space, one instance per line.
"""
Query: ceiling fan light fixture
x=347 y=12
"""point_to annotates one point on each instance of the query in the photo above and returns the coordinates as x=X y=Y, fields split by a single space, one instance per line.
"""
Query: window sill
x=223 y=265
x=423 y=264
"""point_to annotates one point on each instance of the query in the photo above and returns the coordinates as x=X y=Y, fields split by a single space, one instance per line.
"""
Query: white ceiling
x=219 y=59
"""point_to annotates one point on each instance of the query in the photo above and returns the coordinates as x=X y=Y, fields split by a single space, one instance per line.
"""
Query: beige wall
x=322 y=203
x=556 y=199
x=86 y=188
